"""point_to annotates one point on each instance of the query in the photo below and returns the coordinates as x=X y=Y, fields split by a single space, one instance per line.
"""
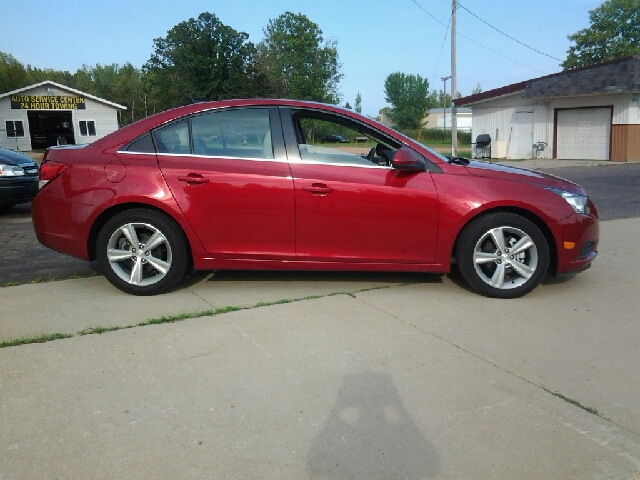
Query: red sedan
x=247 y=184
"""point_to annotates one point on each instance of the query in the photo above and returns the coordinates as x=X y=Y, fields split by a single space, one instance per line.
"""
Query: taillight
x=50 y=171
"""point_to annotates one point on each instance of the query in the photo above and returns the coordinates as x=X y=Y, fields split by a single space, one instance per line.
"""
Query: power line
x=506 y=35
x=476 y=43
x=503 y=56
x=425 y=11
x=444 y=40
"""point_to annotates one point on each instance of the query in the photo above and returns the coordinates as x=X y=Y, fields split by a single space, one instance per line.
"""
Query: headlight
x=11 y=171
x=579 y=203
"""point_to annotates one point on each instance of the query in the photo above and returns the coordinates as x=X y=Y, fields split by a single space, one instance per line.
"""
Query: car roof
x=124 y=135
x=131 y=131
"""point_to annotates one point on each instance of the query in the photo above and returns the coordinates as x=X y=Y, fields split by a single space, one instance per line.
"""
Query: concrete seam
x=496 y=366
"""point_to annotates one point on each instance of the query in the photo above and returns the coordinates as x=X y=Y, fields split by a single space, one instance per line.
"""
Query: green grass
x=29 y=340
x=443 y=144
x=177 y=318
x=593 y=411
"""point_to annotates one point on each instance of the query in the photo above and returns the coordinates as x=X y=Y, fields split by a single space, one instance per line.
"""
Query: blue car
x=18 y=178
x=335 y=139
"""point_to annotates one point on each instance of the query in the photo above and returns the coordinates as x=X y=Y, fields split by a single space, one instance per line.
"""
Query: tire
x=127 y=261
x=488 y=262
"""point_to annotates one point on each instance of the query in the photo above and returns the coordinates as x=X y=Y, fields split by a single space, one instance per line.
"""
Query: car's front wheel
x=142 y=252
x=502 y=255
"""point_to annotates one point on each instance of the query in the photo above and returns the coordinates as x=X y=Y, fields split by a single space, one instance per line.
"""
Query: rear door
x=227 y=170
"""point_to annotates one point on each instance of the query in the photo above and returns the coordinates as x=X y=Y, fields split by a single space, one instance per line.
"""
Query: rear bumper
x=62 y=225
x=577 y=240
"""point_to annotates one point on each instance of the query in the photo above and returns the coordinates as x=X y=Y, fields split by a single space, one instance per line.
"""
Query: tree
x=408 y=96
x=477 y=89
x=358 y=105
x=201 y=59
x=13 y=75
x=297 y=62
x=614 y=33
x=37 y=75
x=119 y=84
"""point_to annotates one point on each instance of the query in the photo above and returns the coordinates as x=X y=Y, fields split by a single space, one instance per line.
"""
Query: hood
x=9 y=157
x=522 y=175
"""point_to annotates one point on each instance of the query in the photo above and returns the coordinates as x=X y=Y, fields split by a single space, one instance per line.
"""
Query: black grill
x=33 y=168
x=483 y=146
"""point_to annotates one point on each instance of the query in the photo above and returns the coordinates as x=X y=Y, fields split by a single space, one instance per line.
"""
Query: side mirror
x=407 y=159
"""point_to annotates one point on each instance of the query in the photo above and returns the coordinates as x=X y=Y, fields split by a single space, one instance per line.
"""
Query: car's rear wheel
x=502 y=255
x=142 y=252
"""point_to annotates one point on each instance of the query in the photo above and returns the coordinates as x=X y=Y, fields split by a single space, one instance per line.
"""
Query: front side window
x=87 y=128
x=338 y=141
x=239 y=133
x=14 y=128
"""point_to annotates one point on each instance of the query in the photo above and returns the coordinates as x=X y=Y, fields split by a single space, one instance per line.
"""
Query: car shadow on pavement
x=558 y=280
x=456 y=278
x=321 y=276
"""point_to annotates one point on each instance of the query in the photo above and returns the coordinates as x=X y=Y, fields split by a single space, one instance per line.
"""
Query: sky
x=375 y=37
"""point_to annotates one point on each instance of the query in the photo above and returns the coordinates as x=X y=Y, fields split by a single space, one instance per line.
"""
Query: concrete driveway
x=328 y=376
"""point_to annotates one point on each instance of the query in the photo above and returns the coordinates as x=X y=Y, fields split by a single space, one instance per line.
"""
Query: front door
x=355 y=209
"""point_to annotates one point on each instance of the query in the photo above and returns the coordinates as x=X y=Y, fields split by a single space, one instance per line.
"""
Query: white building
x=585 y=113
x=47 y=114
x=441 y=118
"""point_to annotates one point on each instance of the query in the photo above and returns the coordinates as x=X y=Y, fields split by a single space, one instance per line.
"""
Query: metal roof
x=615 y=76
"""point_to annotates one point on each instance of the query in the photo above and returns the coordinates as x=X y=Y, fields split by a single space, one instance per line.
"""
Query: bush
x=438 y=135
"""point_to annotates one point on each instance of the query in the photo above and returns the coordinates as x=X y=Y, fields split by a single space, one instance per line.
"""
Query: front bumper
x=18 y=190
x=577 y=238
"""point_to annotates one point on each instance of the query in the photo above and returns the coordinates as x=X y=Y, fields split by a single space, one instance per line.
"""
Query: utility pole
x=444 y=102
x=454 y=86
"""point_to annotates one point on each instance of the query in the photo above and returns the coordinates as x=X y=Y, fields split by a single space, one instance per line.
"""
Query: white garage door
x=584 y=133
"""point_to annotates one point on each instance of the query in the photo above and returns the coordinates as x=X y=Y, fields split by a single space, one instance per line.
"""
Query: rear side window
x=173 y=138
x=240 y=133
x=142 y=144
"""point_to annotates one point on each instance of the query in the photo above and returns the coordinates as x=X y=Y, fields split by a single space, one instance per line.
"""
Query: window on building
x=87 y=128
x=14 y=128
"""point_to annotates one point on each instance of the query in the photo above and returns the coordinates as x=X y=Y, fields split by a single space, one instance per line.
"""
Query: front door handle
x=193 y=178
x=318 y=189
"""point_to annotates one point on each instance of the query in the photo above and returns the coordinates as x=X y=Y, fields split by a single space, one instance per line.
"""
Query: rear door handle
x=193 y=178
x=318 y=189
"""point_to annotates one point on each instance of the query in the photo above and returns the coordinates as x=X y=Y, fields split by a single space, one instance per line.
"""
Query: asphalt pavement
x=338 y=376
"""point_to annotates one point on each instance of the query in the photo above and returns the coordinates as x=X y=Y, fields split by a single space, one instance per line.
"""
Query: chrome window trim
x=252 y=159
x=192 y=155
x=135 y=153
x=357 y=165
